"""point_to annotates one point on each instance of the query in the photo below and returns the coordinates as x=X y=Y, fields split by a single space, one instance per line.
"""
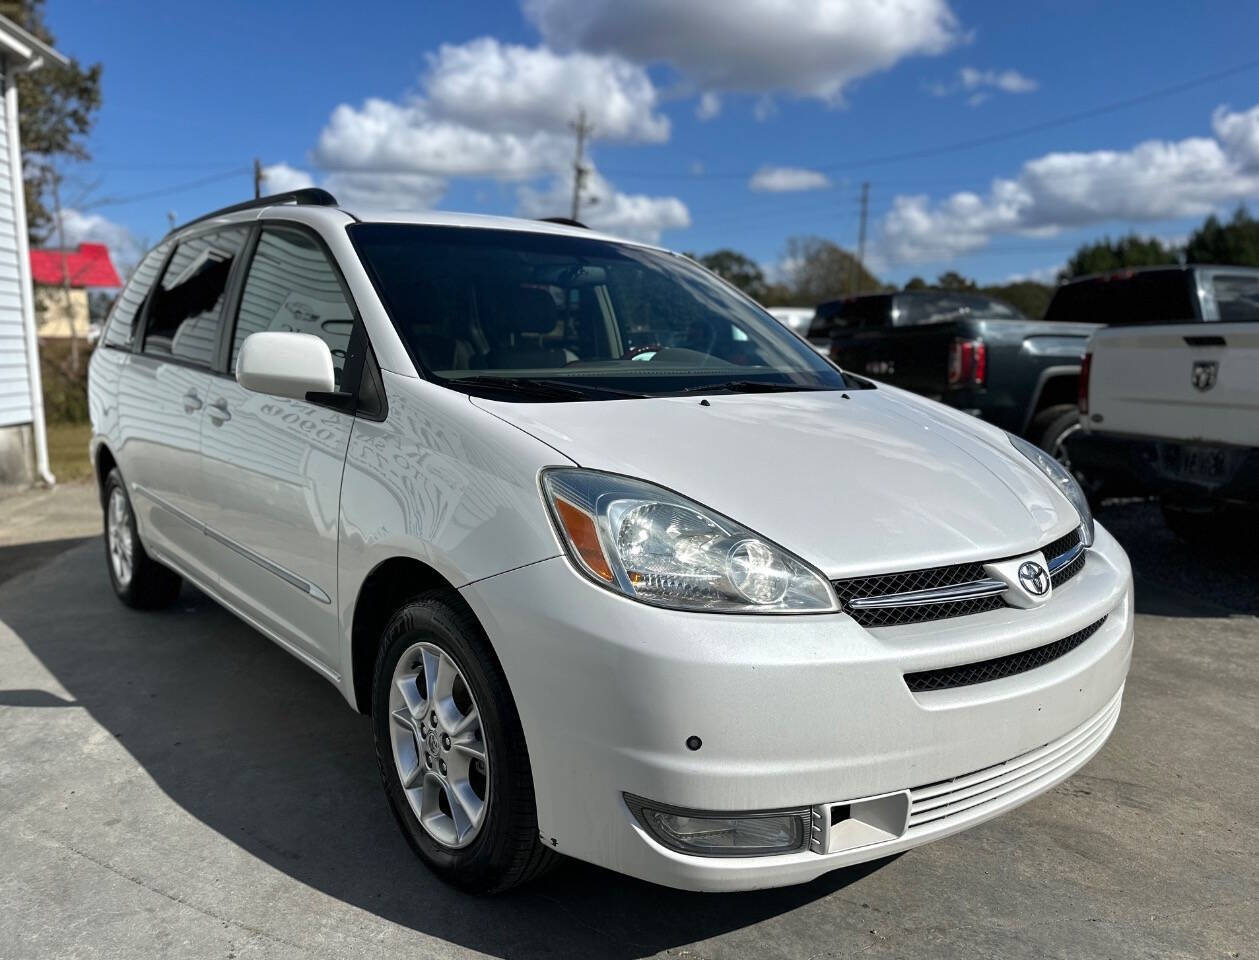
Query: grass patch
x=67 y=451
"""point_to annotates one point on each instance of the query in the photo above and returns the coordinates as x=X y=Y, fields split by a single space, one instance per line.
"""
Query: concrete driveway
x=173 y=785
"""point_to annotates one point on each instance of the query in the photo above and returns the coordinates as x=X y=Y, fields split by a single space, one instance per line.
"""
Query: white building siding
x=15 y=385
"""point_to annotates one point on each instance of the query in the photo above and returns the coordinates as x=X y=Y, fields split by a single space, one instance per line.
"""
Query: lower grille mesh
x=948 y=677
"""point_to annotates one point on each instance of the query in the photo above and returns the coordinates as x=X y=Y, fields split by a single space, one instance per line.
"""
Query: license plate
x=1198 y=463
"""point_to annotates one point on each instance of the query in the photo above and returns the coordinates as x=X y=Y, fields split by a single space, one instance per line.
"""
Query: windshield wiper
x=753 y=386
x=542 y=389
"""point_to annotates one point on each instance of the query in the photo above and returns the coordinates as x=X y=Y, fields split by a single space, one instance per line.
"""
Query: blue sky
x=464 y=106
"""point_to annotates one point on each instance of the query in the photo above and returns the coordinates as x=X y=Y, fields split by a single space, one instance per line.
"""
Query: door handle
x=218 y=412
x=192 y=402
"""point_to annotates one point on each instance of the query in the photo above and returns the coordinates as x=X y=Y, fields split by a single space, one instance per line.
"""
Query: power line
x=970 y=144
x=166 y=191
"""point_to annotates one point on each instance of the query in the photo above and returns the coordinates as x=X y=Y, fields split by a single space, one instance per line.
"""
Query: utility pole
x=860 y=261
x=170 y=218
x=65 y=271
x=257 y=178
x=583 y=129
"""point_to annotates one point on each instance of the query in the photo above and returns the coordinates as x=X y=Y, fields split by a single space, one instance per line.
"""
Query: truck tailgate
x=1179 y=382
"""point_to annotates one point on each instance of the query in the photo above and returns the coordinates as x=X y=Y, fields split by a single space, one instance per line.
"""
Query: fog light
x=753 y=834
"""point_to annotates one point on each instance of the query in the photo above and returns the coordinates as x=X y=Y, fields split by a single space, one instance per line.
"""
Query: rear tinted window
x=187 y=310
x=1151 y=296
x=119 y=326
x=916 y=309
x=1237 y=296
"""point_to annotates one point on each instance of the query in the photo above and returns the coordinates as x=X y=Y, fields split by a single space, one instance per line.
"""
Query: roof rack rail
x=309 y=196
x=564 y=221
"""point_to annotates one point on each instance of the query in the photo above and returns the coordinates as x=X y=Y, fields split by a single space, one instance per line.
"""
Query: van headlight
x=1062 y=479
x=661 y=548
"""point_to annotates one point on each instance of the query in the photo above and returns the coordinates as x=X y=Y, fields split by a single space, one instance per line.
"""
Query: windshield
x=540 y=316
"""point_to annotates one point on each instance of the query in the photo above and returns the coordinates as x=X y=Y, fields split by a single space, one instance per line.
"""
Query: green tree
x=952 y=280
x=57 y=108
x=820 y=271
x=737 y=269
x=1234 y=244
x=1026 y=296
x=917 y=283
x=1107 y=254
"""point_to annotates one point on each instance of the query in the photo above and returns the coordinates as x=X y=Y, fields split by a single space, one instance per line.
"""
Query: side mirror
x=285 y=365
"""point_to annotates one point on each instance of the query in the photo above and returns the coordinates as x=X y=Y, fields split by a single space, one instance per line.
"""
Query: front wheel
x=138 y=579
x=451 y=750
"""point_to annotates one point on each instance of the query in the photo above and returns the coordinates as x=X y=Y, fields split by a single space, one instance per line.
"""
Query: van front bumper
x=790 y=713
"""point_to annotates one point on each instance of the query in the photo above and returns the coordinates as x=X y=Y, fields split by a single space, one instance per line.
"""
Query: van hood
x=872 y=481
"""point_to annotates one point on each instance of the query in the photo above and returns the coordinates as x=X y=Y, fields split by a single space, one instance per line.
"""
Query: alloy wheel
x=438 y=746
x=121 y=537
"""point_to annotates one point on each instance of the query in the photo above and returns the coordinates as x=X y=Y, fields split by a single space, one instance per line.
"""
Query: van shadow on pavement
x=259 y=748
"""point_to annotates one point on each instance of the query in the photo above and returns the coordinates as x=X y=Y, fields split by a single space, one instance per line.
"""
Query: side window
x=1237 y=296
x=291 y=286
x=119 y=328
x=187 y=309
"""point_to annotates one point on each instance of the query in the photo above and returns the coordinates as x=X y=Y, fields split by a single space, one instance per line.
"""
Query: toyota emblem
x=1034 y=578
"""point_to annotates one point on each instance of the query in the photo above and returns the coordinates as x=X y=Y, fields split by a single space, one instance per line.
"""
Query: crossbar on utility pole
x=583 y=129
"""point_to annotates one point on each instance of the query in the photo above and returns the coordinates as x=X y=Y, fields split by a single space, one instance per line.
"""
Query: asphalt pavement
x=173 y=785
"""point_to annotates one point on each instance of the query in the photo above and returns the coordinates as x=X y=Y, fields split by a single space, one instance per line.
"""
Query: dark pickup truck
x=969 y=351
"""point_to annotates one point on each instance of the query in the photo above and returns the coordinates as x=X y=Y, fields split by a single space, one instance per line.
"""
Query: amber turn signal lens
x=580 y=527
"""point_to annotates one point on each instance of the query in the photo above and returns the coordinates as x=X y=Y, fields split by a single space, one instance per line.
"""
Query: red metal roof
x=87 y=266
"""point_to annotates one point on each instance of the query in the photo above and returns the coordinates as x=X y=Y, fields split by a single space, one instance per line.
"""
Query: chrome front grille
x=938 y=593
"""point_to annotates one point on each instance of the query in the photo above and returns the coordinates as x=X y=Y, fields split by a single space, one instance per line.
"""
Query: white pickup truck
x=1173 y=411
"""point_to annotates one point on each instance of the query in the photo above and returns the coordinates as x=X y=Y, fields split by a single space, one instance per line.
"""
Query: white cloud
x=385 y=191
x=281 y=178
x=764 y=108
x=1155 y=180
x=785 y=179
x=1239 y=133
x=514 y=89
x=384 y=136
x=490 y=110
x=810 y=48
x=979 y=85
x=709 y=105
x=1007 y=81
x=637 y=216
x=125 y=249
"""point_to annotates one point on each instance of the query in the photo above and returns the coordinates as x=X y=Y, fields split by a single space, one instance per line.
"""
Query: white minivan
x=621 y=569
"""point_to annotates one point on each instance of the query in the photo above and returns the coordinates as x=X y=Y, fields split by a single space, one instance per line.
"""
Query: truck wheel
x=451 y=751
x=138 y=579
x=1050 y=429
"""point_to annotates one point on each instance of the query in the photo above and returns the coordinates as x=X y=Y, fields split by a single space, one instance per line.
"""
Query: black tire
x=506 y=851
x=151 y=585
x=1051 y=426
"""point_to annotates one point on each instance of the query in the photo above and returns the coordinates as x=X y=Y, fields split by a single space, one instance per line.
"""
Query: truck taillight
x=1082 y=397
x=968 y=362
